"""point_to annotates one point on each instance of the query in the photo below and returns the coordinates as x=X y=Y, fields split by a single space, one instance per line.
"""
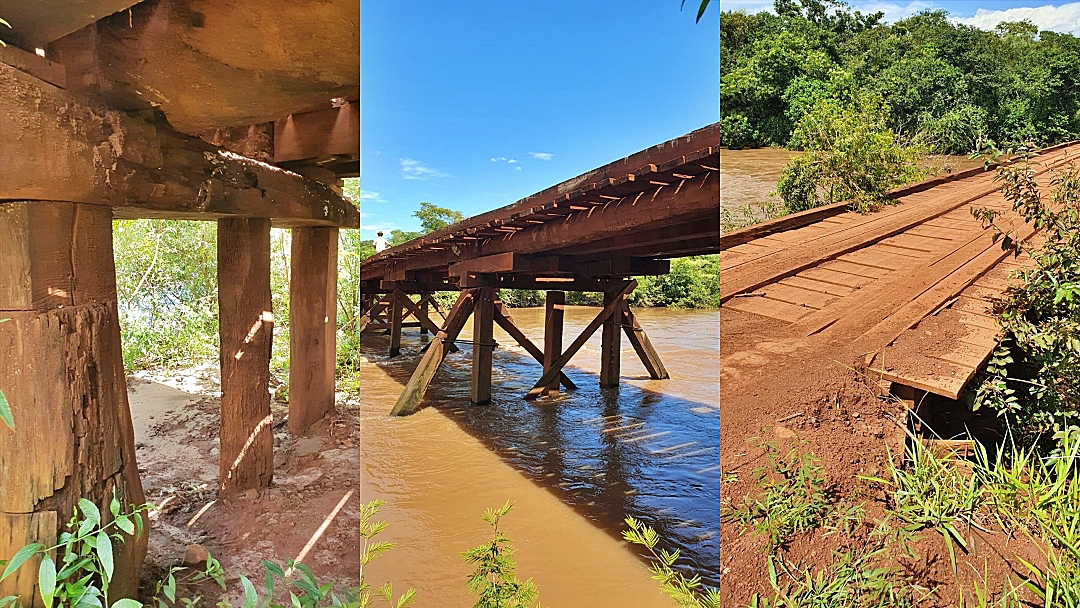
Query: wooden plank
x=797 y=295
x=803 y=282
x=609 y=309
x=553 y=332
x=877 y=257
x=414 y=390
x=933 y=233
x=483 y=345
x=642 y=345
x=772 y=309
x=965 y=354
x=246 y=326
x=611 y=343
x=914 y=242
x=861 y=270
x=505 y=321
x=912 y=254
x=312 y=326
x=926 y=373
x=973 y=305
x=834 y=277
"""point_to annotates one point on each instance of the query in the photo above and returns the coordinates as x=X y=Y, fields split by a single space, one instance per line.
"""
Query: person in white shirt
x=380 y=242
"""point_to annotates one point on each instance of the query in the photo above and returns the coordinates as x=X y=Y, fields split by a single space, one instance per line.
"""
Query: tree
x=434 y=218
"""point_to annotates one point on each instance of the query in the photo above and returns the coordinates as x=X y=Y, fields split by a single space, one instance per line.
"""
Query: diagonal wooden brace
x=414 y=390
x=612 y=308
x=502 y=317
x=644 y=348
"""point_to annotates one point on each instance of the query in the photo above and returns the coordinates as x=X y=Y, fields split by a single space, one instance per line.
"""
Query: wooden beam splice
x=587 y=333
x=642 y=345
x=414 y=390
x=505 y=321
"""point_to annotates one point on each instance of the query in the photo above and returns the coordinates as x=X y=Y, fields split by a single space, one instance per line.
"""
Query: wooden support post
x=609 y=309
x=424 y=313
x=553 y=330
x=246 y=327
x=611 y=345
x=505 y=321
x=312 y=326
x=483 y=346
x=437 y=350
x=395 y=324
x=62 y=371
x=644 y=348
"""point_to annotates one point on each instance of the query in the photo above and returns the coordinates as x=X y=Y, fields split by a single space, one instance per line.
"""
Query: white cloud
x=374 y=197
x=512 y=161
x=1064 y=18
x=414 y=169
x=503 y=159
x=542 y=155
x=517 y=168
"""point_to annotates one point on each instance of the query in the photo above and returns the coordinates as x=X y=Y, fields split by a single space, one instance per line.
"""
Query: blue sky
x=1059 y=17
x=473 y=104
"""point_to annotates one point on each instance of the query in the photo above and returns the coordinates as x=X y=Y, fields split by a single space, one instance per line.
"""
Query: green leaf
x=126 y=603
x=47 y=580
x=20 y=558
x=124 y=523
x=5 y=412
x=90 y=510
x=251 y=597
x=105 y=554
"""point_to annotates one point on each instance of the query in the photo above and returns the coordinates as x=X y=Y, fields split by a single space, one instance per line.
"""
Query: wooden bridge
x=590 y=233
x=115 y=109
x=910 y=290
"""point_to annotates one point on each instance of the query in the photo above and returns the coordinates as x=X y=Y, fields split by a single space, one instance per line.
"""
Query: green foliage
x=1031 y=378
x=953 y=84
x=853 y=580
x=850 y=155
x=5 y=407
x=693 y=282
x=369 y=551
x=495 y=578
x=792 y=500
x=434 y=218
x=686 y=593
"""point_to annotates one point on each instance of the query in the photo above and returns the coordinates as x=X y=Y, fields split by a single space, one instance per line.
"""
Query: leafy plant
x=369 y=551
x=852 y=580
x=686 y=593
x=495 y=578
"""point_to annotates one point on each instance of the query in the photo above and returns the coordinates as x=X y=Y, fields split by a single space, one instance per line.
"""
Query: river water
x=576 y=465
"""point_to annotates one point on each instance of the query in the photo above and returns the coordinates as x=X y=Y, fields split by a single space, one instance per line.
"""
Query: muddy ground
x=808 y=395
x=176 y=416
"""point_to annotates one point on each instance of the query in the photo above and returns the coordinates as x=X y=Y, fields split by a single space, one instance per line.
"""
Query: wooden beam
x=62 y=371
x=317 y=135
x=551 y=265
x=423 y=321
x=142 y=168
x=414 y=390
x=246 y=327
x=395 y=323
x=611 y=344
x=425 y=313
x=553 y=330
x=373 y=312
x=483 y=346
x=642 y=345
x=505 y=321
x=312 y=326
x=609 y=309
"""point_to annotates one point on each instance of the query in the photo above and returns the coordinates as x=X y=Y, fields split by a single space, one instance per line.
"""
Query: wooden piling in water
x=483 y=345
x=553 y=331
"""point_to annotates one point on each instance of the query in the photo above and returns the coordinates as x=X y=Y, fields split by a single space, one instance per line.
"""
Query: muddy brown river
x=575 y=465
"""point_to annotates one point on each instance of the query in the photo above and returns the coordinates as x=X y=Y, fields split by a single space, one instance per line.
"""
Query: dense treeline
x=951 y=86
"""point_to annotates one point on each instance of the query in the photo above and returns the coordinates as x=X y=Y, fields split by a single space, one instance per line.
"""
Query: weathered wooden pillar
x=246 y=328
x=62 y=371
x=395 y=325
x=483 y=345
x=312 y=325
x=424 y=310
x=611 y=343
x=553 y=330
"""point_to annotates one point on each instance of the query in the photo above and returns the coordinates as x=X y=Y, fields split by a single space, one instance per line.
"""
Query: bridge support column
x=642 y=345
x=611 y=345
x=425 y=312
x=483 y=345
x=553 y=330
x=246 y=327
x=395 y=324
x=62 y=371
x=312 y=326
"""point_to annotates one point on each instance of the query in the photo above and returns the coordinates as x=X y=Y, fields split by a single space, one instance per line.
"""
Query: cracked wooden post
x=395 y=324
x=62 y=370
x=610 y=343
x=483 y=346
x=312 y=326
x=246 y=328
x=553 y=330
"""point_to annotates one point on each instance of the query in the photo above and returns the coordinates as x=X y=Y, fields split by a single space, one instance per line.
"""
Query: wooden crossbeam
x=556 y=367
x=433 y=357
x=372 y=313
x=505 y=321
x=642 y=346
x=414 y=310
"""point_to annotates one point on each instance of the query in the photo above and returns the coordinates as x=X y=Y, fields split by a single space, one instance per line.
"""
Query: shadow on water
x=607 y=453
